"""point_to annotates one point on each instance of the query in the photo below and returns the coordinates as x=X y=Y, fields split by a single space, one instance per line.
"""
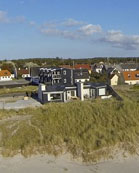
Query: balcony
x=56 y=76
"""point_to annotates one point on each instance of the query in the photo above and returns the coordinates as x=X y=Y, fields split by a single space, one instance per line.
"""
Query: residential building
x=99 y=68
x=131 y=77
x=24 y=73
x=65 y=93
x=113 y=79
x=129 y=66
x=5 y=75
x=112 y=70
x=56 y=76
x=83 y=66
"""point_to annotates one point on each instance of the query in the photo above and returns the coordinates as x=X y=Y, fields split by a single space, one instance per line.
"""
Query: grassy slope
x=18 y=89
x=81 y=128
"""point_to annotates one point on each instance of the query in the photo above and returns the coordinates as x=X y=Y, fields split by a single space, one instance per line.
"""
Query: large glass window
x=55 y=96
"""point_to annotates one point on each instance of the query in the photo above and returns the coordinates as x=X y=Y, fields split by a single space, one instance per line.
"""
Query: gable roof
x=130 y=66
x=23 y=71
x=82 y=66
x=5 y=73
x=66 y=66
x=131 y=75
x=111 y=76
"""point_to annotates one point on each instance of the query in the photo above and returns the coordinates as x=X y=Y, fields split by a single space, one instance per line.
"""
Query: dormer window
x=129 y=75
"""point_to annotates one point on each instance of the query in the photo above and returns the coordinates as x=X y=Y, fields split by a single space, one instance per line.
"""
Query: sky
x=69 y=28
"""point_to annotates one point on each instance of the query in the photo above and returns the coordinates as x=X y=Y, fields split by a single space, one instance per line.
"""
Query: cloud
x=3 y=17
x=60 y=33
x=90 y=29
x=64 y=29
x=72 y=29
x=118 y=39
x=32 y=23
x=72 y=22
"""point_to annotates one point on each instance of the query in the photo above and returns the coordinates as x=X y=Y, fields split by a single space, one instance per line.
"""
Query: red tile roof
x=23 y=71
x=66 y=66
x=82 y=66
x=5 y=73
x=131 y=75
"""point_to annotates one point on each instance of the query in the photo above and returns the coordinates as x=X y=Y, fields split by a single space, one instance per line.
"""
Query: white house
x=114 y=79
x=131 y=77
x=5 y=75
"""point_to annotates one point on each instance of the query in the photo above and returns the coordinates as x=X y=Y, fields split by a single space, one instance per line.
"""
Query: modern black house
x=60 y=76
x=65 y=93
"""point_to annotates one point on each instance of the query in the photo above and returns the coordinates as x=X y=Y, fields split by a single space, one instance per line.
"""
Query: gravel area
x=19 y=104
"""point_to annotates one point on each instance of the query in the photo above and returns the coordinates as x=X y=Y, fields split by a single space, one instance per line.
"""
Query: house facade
x=99 y=68
x=24 y=73
x=114 y=79
x=60 y=76
x=5 y=75
x=64 y=93
x=131 y=77
x=129 y=67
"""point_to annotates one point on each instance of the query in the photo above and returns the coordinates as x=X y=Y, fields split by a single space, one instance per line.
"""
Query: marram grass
x=86 y=129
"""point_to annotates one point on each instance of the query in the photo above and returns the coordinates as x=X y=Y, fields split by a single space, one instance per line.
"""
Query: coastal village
x=70 y=82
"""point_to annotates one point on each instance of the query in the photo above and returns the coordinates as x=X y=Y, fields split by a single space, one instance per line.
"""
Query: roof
x=54 y=88
x=95 y=85
x=129 y=66
x=82 y=66
x=66 y=66
x=23 y=71
x=111 y=76
x=110 y=69
x=5 y=73
x=131 y=75
x=80 y=74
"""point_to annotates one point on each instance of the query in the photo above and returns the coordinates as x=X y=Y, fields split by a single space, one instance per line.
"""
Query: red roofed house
x=131 y=77
x=23 y=73
x=83 y=66
x=5 y=75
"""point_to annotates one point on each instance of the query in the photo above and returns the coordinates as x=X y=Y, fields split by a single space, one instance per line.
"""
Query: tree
x=8 y=66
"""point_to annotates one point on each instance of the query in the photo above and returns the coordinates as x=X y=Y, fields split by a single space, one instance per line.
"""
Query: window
x=64 y=72
x=65 y=80
x=55 y=96
x=101 y=91
x=137 y=75
x=129 y=75
x=72 y=93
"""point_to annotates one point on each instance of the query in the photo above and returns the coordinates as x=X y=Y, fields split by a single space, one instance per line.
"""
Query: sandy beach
x=62 y=164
